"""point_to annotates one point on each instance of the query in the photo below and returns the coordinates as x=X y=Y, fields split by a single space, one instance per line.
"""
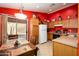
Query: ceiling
x=37 y=7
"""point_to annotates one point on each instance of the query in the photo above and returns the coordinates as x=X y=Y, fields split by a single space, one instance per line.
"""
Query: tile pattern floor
x=45 y=49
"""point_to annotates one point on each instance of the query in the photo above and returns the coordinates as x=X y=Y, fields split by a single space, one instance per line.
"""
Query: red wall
x=29 y=14
x=71 y=11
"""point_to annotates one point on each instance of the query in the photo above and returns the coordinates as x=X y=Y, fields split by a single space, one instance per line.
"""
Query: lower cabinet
x=49 y=36
x=63 y=50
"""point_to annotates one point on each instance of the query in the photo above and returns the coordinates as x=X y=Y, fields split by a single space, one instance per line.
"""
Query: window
x=11 y=28
x=21 y=30
x=18 y=28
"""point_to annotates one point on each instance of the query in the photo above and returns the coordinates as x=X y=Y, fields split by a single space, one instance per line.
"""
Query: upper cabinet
x=65 y=23
x=34 y=30
x=34 y=21
x=72 y=23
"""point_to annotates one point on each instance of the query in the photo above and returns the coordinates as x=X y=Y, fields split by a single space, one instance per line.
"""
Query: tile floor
x=45 y=49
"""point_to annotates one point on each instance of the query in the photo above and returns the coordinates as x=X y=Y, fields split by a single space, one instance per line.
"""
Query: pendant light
x=21 y=15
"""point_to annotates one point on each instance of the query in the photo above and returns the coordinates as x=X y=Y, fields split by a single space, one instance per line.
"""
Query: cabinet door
x=49 y=36
x=65 y=23
x=34 y=33
x=35 y=30
x=74 y=51
x=75 y=21
x=34 y=21
x=63 y=50
x=71 y=23
x=66 y=49
x=58 y=49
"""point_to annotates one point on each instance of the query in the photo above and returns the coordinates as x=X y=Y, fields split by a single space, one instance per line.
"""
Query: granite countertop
x=9 y=46
x=67 y=40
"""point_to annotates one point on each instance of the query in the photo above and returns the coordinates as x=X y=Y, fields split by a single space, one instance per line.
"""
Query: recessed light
x=50 y=9
x=64 y=3
x=37 y=6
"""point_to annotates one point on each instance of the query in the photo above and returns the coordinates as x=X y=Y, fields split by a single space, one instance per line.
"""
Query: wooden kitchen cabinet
x=75 y=21
x=34 y=30
x=65 y=23
x=60 y=49
x=57 y=49
x=70 y=51
x=50 y=36
x=72 y=23
x=34 y=21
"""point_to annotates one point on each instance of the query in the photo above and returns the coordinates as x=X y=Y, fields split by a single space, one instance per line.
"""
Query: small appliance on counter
x=17 y=44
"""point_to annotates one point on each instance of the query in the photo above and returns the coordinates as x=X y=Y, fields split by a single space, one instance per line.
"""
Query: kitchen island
x=25 y=49
x=65 y=46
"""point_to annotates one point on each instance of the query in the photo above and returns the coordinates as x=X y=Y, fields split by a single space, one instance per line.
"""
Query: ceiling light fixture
x=64 y=3
x=21 y=15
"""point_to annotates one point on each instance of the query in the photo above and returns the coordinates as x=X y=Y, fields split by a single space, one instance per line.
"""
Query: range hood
x=58 y=25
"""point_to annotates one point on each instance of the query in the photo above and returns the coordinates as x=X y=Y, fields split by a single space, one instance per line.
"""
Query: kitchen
x=54 y=22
